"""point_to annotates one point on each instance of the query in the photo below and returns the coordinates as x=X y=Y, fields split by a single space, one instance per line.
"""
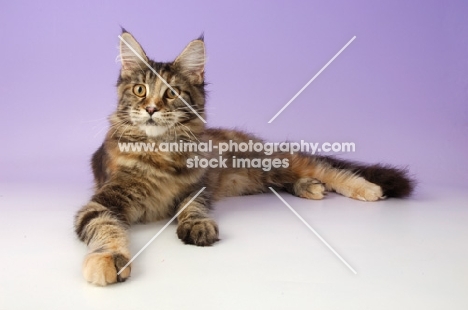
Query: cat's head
x=159 y=99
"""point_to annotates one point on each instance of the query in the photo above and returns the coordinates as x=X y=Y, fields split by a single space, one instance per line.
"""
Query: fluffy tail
x=395 y=182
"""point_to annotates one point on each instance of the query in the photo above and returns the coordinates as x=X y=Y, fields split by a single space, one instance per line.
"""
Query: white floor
x=408 y=254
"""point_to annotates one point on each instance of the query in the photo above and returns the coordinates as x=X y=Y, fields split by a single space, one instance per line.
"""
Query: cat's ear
x=191 y=62
x=129 y=49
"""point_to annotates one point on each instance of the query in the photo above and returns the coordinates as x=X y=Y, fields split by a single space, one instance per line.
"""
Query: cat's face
x=160 y=99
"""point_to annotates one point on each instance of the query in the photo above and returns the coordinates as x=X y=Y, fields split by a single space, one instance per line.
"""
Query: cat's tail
x=338 y=174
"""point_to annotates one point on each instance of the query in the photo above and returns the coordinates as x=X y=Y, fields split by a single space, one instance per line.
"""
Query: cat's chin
x=153 y=130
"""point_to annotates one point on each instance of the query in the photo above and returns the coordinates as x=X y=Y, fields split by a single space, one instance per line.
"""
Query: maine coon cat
x=140 y=187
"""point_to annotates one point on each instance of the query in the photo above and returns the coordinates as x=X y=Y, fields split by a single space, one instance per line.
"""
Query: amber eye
x=139 y=90
x=171 y=94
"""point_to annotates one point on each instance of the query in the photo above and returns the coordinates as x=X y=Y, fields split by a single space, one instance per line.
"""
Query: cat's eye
x=171 y=94
x=139 y=90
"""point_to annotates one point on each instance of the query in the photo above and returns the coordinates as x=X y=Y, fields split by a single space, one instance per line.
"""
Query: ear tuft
x=129 y=49
x=191 y=61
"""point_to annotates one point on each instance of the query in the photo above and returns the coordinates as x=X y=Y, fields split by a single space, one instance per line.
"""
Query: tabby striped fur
x=144 y=187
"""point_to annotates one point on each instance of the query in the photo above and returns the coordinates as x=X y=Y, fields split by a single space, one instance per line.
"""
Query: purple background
x=399 y=91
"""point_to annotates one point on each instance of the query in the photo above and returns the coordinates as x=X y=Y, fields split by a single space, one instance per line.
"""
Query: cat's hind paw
x=101 y=268
x=371 y=192
x=367 y=192
x=309 y=188
x=201 y=232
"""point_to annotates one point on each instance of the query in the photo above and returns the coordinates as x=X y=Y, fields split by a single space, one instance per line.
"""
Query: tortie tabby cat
x=140 y=187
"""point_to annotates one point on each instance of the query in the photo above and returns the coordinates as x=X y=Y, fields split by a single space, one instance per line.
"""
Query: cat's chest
x=148 y=163
x=155 y=164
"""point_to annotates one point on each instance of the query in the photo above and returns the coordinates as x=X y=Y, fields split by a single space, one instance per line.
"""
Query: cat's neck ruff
x=153 y=131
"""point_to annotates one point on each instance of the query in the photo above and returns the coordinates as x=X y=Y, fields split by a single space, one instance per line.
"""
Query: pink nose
x=150 y=110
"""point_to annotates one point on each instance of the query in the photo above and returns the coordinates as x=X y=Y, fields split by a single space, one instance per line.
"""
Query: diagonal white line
x=312 y=79
x=313 y=230
x=163 y=80
x=161 y=230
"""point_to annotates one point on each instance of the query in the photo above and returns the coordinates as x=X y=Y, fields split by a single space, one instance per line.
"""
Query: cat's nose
x=150 y=110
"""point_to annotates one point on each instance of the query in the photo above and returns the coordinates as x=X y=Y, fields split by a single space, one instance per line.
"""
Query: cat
x=140 y=187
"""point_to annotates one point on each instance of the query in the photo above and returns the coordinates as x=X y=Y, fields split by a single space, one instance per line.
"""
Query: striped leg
x=107 y=240
x=103 y=224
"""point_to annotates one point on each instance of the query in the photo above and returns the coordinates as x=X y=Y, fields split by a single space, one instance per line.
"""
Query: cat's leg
x=107 y=240
x=352 y=186
x=195 y=226
x=103 y=225
x=338 y=179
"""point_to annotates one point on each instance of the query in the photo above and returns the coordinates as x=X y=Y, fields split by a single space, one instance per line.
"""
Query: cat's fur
x=148 y=186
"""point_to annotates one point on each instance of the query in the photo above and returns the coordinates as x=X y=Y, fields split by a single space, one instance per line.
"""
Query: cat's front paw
x=101 y=268
x=201 y=232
